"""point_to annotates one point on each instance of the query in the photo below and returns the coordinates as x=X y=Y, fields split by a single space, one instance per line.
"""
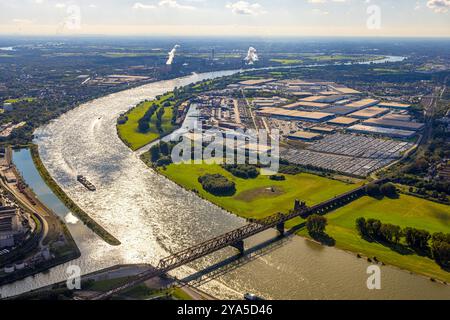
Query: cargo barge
x=86 y=183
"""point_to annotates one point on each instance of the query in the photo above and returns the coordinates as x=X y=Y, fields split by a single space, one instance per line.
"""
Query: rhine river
x=153 y=217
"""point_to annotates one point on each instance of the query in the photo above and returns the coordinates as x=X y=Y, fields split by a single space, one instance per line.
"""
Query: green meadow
x=260 y=197
x=129 y=132
x=407 y=211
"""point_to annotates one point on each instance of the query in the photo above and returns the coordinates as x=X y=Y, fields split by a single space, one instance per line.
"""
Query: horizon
x=204 y=18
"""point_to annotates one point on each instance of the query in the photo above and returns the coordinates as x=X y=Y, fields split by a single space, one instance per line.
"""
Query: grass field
x=406 y=211
x=254 y=197
x=20 y=100
x=129 y=132
x=287 y=61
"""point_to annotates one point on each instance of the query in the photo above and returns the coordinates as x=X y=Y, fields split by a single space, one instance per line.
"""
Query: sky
x=263 y=18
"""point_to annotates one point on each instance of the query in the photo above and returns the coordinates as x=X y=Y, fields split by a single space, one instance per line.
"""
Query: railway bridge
x=236 y=238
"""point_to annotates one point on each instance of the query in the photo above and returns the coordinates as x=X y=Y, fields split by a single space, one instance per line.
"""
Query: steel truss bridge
x=236 y=238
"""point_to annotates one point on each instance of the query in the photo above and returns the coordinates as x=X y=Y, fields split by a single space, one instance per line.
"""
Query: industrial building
x=397 y=117
x=9 y=226
x=295 y=115
x=394 y=105
x=344 y=90
x=341 y=110
x=368 y=113
x=323 y=98
x=305 y=136
x=322 y=129
x=343 y=121
x=387 y=132
x=361 y=104
x=402 y=125
x=305 y=104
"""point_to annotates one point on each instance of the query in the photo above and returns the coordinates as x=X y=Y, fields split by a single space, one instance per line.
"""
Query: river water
x=153 y=217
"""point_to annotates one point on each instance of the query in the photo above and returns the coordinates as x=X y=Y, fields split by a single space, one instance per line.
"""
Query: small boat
x=86 y=183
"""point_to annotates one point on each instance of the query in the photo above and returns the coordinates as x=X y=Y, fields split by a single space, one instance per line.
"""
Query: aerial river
x=153 y=217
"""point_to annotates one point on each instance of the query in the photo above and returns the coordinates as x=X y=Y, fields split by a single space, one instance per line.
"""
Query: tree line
x=416 y=239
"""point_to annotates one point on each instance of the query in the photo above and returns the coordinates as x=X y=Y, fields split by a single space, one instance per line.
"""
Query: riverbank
x=75 y=209
x=51 y=233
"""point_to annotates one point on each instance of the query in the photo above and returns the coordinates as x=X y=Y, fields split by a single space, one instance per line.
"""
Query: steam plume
x=172 y=55
x=252 y=56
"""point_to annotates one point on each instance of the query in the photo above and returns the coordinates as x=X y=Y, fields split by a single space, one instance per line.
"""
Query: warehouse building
x=394 y=105
x=305 y=136
x=387 y=132
x=344 y=90
x=368 y=113
x=323 y=98
x=343 y=121
x=402 y=125
x=361 y=104
x=340 y=110
x=295 y=115
x=322 y=129
x=397 y=117
x=306 y=105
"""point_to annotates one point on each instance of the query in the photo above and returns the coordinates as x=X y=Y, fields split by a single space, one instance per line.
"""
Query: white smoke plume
x=172 y=55
x=252 y=56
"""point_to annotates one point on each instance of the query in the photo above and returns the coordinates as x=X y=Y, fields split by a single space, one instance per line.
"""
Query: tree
x=373 y=190
x=440 y=249
x=391 y=233
x=389 y=190
x=361 y=226
x=143 y=126
x=417 y=239
x=164 y=148
x=316 y=224
x=154 y=153
x=373 y=228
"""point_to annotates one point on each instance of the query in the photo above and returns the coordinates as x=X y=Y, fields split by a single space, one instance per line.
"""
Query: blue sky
x=227 y=17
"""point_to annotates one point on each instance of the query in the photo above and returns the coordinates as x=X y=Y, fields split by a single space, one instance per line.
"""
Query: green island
x=76 y=210
x=128 y=127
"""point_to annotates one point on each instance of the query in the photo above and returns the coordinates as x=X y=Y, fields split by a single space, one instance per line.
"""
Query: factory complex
x=323 y=125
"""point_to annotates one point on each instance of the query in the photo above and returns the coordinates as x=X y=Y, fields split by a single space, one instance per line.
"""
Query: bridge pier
x=281 y=228
x=239 y=246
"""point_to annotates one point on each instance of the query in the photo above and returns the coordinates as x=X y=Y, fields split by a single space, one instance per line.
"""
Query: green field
x=129 y=132
x=254 y=197
x=287 y=61
x=406 y=211
x=20 y=100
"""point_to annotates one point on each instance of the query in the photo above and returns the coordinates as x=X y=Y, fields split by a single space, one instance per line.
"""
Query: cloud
x=246 y=8
x=439 y=6
x=175 y=5
x=139 y=5
x=172 y=4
